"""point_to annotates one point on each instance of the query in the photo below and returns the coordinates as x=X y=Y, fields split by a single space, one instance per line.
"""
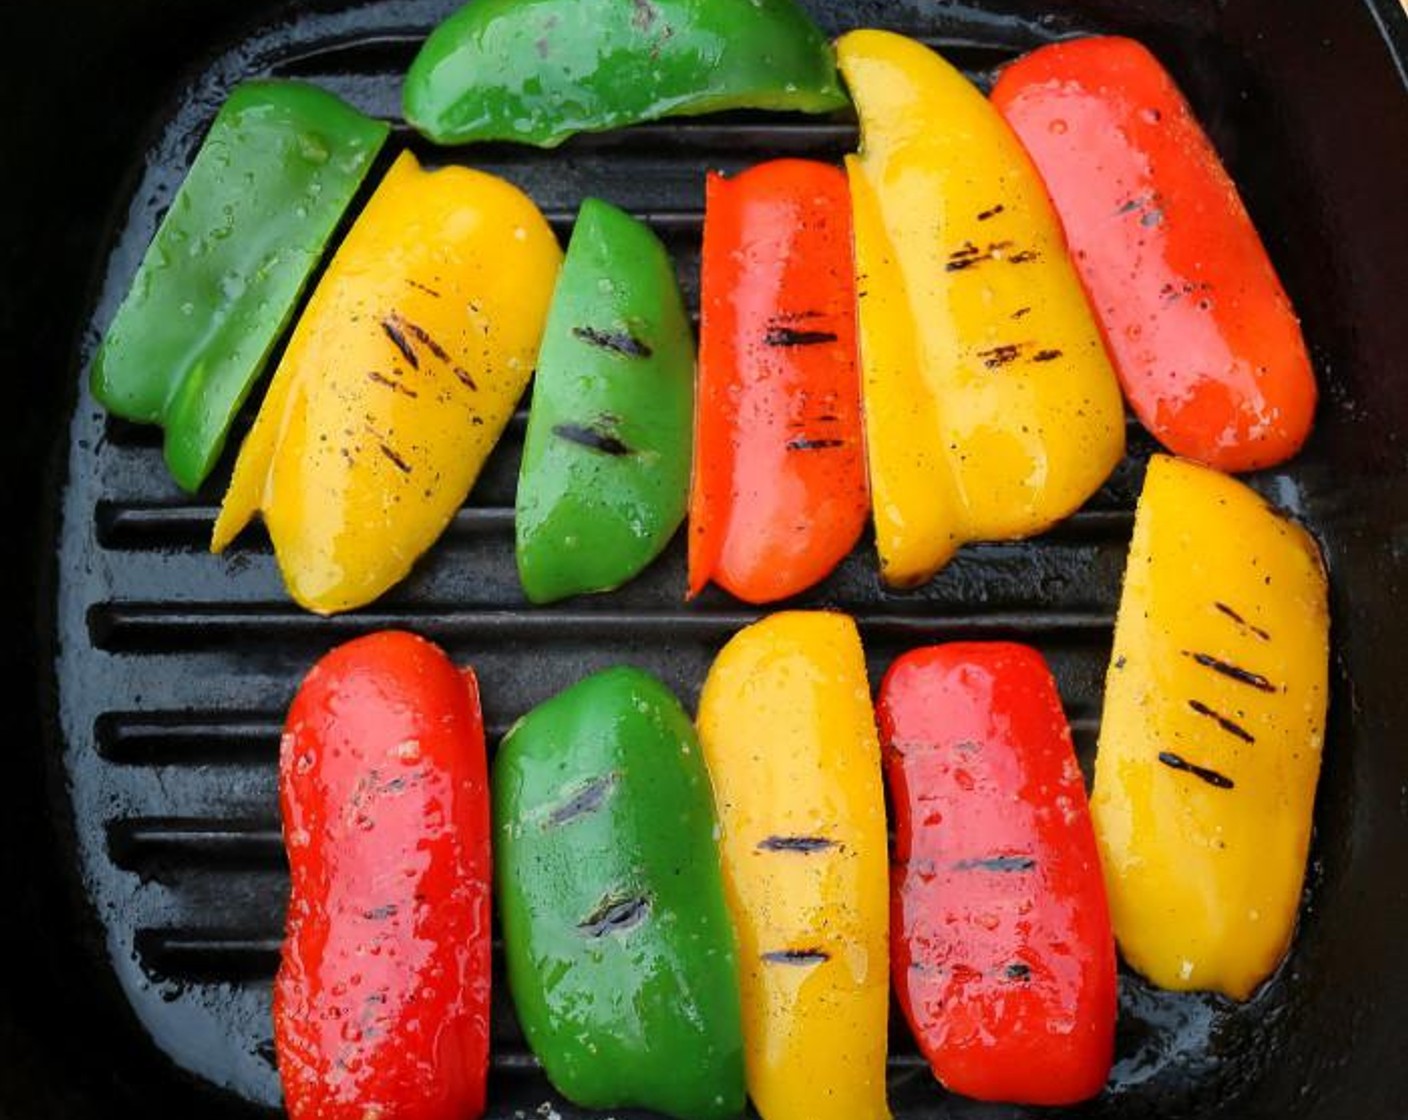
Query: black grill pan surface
x=143 y=861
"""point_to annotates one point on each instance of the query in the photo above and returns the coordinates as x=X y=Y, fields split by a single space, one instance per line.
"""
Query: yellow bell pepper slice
x=991 y=408
x=1210 y=743
x=789 y=738
x=397 y=382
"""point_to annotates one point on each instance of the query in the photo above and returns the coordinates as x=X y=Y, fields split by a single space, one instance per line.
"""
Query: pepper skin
x=789 y=737
x=1001 y=947
x=1206 y=344
x=381 y=1005
x=398 y=381
x=779 y=494
x=620 y=956
x=539 y=71
x=219 y=282
x=1210 y=743
x=605 y=473
x=991 y=409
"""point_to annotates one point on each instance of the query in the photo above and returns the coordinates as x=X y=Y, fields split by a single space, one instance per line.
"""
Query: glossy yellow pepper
x=1210 y=744
x=397 y=383
x=991 y=408
x=789 y=737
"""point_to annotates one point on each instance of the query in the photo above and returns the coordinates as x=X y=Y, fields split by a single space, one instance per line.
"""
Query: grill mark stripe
x=615 y=915
x=591 y=438
x=797 y=956
x=587 y=799
x=814 y=444
x=1212 y=777
x=791 y=336
x=398 y=339
x=1240 y=621
x=619 y=342
x=996 y=863
x=1230 y=726
x=1232 y=672
x=804 y=844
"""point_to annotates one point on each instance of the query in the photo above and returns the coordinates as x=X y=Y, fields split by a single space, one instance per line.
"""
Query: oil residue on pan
x=174 y=666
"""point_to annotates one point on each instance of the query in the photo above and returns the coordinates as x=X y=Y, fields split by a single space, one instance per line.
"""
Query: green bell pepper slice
x=604 y=479
x=219 y=282
x=621 y=958
x=538 y=71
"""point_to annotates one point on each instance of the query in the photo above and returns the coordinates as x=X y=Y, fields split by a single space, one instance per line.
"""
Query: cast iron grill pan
x=174 y=667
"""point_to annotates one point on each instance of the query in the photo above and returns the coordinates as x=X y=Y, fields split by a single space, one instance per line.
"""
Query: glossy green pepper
x=219 y=282
x=605 y=474
x=620 y=954
x=538 y=71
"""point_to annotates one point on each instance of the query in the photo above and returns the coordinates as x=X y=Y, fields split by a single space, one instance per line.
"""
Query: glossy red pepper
x=381 y=1006
x=1002 y=951
x=779 y=494
x=1206 y=344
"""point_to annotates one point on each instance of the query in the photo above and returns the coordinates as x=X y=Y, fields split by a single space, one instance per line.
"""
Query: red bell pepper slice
x=1204 y=339
x=779 y=494
x=1001 y=945
x=381 y=1006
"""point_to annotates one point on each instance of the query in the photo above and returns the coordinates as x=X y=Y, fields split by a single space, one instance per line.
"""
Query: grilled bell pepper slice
x=539 y=71
x=1213 y=724
x=620 y=956
x=779 y=494
x=398 y=381
x=381 y=1005
x=991 y=409
x=605 y=473
x=1001 y=947
x=219 y=281
x=1204 y=339
x=789 y=737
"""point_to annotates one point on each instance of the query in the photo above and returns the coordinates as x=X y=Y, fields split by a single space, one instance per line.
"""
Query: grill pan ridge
x=155 y=882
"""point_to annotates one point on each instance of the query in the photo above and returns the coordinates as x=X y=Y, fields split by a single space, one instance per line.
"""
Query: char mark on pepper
x=424 y=288
x=616 y=914
x=1212 y=777
x=585 y=799
x=1232 y=672
x=1018 y=971
x=1046 y=355
x=620 y=342
x=814 y=444
x=991 y=212
x=594 y=439
x=797 y=956
x=996 y=863
x=391 y=383
x=791 y=336
x=1240 y=621
x=400 y=341
x=400 y=463
x=971 y=255
x=999 y=356
x=803 y=844
x=1230 y=726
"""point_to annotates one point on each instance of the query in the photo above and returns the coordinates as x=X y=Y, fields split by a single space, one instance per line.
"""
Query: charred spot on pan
x=586 y=799
x=1230 y=726
x=814 y=444
x=616 y=914
x=791 y=336
x=618 y=341
x=1232 y=672
x=1001 y=864
x=804 y=844
x=797 y=956
x=1212 y=777
x=1240 y=621
x=592 y=437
